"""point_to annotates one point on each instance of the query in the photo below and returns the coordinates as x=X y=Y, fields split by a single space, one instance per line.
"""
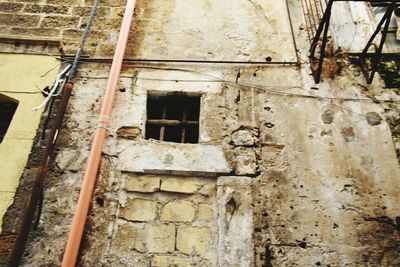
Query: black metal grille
x=173 y=118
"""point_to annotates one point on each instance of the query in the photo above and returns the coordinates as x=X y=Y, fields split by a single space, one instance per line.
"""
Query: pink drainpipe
x=85 y=197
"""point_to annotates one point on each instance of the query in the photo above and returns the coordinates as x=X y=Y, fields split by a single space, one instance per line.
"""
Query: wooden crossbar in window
x=172 y=122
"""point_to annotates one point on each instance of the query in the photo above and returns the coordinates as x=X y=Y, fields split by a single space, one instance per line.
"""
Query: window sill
x=173 y=158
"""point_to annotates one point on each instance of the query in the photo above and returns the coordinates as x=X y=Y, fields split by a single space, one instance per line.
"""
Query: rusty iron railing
x=317 y=24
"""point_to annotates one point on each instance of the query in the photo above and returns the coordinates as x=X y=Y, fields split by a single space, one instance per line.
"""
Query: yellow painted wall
x=20 y=78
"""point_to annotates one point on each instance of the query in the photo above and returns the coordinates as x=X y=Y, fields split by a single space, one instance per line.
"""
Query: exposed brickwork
x=142 y=183
x=166 y=227
x=139 y=210
x=167 y=261
x=187 y=186
x=193 y=240
x=205 y=212
x=159 y=238
x=178 y=211
x=55 y=19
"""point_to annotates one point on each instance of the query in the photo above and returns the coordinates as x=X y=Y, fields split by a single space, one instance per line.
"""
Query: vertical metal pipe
x=36 y=196
x=292 y=33
x=85 y=35
x=37 y=188
x=82 y=208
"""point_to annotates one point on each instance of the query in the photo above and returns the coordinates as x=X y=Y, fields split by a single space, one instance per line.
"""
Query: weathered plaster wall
x=327 y=198
x=20 y=78
x=285 y=180
x=168 y=31
x=154 y=34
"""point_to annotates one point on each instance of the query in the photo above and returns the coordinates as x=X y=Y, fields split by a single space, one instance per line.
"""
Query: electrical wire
x=85 y=35
x=266 y=88
x=53 y=68
x=35 y=203
x=59 y=81
x=333 y=104
x=247 y=85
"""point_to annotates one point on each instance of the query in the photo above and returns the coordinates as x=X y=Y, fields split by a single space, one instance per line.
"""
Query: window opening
x=173 y=118
x=8 y=106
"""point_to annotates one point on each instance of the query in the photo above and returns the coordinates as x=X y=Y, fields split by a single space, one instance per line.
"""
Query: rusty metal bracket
x=323 y=28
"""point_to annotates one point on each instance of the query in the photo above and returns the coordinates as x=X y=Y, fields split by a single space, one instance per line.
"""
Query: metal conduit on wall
x=36 y=198
x=85 y=196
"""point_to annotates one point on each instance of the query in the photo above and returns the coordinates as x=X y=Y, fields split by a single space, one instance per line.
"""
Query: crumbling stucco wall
x=284 y=179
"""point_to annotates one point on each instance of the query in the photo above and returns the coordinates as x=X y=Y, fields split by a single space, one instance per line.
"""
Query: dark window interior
x=7 y=110
x=173 y=118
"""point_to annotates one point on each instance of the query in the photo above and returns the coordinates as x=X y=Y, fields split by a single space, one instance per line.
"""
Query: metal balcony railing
x=317 y=24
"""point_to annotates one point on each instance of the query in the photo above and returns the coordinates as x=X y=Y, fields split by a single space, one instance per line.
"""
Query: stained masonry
x=278 y=178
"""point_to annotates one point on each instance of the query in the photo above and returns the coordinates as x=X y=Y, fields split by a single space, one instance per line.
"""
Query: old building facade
x=221 y=149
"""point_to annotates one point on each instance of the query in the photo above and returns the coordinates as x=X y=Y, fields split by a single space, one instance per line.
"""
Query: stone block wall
x=64 y=21
x=164 y=220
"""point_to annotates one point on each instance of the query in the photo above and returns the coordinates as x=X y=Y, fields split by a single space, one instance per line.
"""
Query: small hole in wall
x=122 y=90
x=100 y=201
x=268 y=59
x=303 y=244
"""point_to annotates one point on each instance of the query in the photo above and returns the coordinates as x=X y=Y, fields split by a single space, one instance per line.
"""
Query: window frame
x=183 y=122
